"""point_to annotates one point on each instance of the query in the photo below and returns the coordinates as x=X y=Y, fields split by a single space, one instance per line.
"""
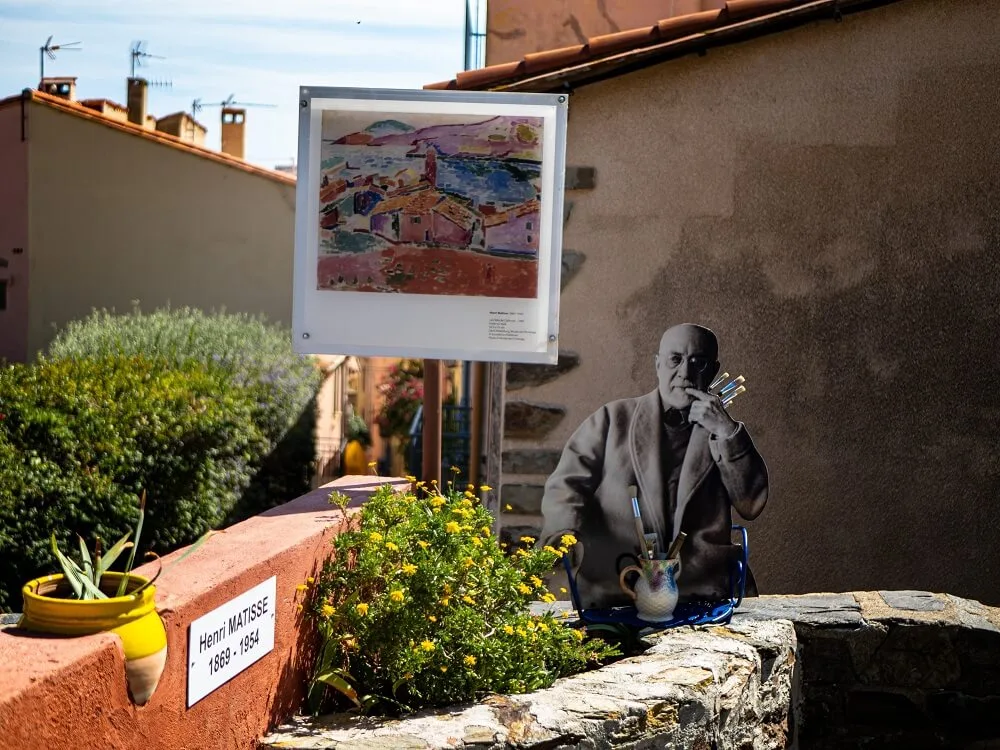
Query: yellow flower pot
x=47 y=609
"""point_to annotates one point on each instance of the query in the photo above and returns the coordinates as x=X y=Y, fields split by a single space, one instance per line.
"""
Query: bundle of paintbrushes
x=730 y=390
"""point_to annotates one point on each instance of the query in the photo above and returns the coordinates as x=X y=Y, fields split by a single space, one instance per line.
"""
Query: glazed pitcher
x=655 y=591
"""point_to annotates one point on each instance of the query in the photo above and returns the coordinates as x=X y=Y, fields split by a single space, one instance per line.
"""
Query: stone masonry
x=889 y=669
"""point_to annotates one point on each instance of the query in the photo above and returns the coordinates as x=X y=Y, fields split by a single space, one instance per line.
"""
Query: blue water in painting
x=499 y=180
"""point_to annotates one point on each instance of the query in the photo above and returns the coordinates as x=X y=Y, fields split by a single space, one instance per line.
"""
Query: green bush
x=420 y=606
x=256 y=356
x=80 y=439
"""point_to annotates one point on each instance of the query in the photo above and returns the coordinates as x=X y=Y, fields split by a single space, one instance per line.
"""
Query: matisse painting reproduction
x=434 y=204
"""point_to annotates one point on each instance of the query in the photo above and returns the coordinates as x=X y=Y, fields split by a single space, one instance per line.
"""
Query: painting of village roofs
x=430 y=204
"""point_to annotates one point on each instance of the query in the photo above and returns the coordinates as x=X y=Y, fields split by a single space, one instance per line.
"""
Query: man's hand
x=707 y=410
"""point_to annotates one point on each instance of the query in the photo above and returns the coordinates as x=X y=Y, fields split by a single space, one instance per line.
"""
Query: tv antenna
x=49 y=50
x=138 y=54
x=230 y=101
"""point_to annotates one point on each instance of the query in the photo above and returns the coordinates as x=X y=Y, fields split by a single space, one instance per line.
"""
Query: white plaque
x=230 y=638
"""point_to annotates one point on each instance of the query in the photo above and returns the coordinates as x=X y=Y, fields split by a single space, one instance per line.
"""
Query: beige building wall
x=826 y=199
x=515 y=28
x=164 y=227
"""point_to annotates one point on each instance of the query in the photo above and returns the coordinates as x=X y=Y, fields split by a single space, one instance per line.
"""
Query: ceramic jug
x=655 y=591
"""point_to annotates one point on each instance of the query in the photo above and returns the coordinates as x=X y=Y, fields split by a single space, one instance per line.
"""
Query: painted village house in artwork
x=447 y=208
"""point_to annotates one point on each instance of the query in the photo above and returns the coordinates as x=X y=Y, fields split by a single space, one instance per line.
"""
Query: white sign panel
x=230 y=638
x=428 y=224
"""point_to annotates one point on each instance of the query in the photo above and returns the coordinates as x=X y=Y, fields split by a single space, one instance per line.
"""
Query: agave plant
x=85 y=579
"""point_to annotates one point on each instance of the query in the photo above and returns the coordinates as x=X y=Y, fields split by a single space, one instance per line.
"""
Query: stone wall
x=881 y=670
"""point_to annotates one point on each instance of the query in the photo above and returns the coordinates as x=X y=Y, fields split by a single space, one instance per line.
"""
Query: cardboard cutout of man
x=691 y=461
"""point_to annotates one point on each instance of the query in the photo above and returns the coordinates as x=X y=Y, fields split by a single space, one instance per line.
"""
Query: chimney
x=137 y=101
x=63 y=87
x=233 y=127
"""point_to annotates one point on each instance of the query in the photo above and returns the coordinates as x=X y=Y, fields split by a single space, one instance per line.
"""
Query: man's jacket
x=618 y=446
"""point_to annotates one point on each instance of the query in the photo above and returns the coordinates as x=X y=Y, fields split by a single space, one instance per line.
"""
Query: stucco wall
x=13 y=233
x=515 y=28
x=826 y=199
x=164 y=227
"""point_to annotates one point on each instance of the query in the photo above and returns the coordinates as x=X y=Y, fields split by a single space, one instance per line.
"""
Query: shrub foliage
x=420 y=606
x=81 y=439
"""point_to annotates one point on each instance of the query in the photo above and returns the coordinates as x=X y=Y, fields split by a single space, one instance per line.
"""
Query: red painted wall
x=71 y=692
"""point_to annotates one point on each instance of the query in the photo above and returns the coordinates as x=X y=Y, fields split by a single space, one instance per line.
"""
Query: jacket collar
x=644 y=443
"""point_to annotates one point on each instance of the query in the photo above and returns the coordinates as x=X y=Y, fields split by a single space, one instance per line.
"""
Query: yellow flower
x=524 y=588
x=432 y=618
x=376 y=537
x=562 y=590
x=485 y=488
x=410 y=478
x=391 y=546
x=470 y=660
x=437 y=501
x=476 y=541
x=567 y=540
x=455 y=470
x=434 y=482
x=447 y=588
x=470 y=486
x=469 y=495
x=528 y=539
x=372 y=464
x=310 y=580
x=409 y=569
x=468 y=599
x=423 y=544
x=508 y=630
x=349 y=642
x=427 y=645
x=301 y=587
x=452 y=527
x=531 y=625
x=543 y=627
x=487 y=531
x=536 y=580
x=508 y=506
x=578 y=634
x=550 y=549
x=521 y=632
x=396 y=595
x=548 y=597
x=443 y=669
x=361 y=608
x=468 y=562
x=445 y=600
x=327 y=610
x=522 y=552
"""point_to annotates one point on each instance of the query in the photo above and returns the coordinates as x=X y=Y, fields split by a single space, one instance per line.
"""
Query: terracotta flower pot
x=48 y=609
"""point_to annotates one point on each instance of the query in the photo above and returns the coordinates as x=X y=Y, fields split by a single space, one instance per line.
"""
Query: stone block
x=530 y=461
x=572 y=262
x=523 y=498
x=523 y=375
x=918 y=601
x=526 y=419
x=819 y=610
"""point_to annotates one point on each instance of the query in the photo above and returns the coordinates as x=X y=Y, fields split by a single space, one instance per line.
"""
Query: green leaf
x=135 y=545
x=88 y=566
x=335 y=679
x=109 y=557
x=69 y=568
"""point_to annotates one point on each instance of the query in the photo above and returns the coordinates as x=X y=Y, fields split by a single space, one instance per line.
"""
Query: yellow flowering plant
x=420 y=606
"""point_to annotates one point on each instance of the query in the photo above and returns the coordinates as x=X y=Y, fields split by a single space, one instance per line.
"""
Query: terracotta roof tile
x=627 y=46
x=80 y=110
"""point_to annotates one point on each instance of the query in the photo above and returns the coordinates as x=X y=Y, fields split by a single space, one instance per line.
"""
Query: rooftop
x=609 y=55
x=79 y=109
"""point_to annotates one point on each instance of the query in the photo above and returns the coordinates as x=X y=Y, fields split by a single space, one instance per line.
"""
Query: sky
x=258 y=51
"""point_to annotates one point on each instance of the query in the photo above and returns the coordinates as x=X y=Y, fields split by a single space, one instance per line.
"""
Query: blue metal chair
x=686 y=613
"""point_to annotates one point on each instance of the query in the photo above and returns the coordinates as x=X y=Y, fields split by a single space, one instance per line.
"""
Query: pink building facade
x=13 y=236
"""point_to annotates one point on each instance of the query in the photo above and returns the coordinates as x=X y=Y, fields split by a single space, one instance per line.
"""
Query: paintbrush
x=719 y=381
x=731 y=385
x=640 y=529
x=675 y=548
x=728 y=398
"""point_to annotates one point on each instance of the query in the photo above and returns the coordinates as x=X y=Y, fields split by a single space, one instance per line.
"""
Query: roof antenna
x=49 y=50
x=230 y=101
x=138 y=54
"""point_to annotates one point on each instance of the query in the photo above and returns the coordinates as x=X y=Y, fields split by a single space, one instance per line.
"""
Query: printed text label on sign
x=227 y=640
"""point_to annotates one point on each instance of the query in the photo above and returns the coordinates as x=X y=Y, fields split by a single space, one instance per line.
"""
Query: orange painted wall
x=71 y=692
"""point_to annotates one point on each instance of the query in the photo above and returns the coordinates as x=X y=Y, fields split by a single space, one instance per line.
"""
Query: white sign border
x=427 y=326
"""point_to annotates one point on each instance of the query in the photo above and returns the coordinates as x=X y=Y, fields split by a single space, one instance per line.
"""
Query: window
x=416 y=219
x=3 y=294
x=527 y=226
